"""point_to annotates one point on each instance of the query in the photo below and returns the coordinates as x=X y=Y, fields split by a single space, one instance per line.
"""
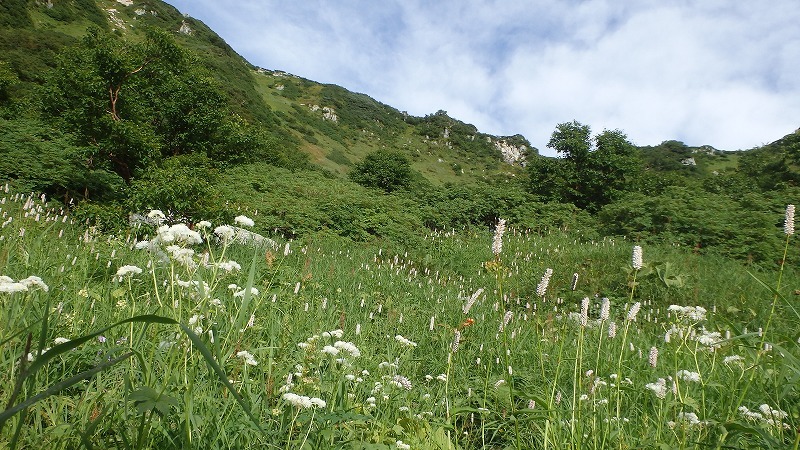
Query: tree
x=591 y=172
x=383 y=169
x=134 y=103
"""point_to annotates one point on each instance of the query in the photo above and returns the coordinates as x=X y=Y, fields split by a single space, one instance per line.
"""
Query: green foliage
x=383 y=169
x=7 y=79
x=183 y=186
x=39 y=159
x=743 y=228
x=14 y=14
x=306 y=202
x=592 y=171
x=72 y=10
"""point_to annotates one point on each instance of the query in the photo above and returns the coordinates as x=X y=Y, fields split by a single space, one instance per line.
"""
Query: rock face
x=512 y=154
x=328 y=113
x=185 y=29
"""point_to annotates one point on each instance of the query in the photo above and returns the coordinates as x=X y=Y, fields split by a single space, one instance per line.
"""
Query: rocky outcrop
x=512 y=154
x=185 y=29
x=328 y=113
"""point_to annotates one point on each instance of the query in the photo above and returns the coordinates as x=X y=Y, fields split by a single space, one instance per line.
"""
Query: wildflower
x=243 y=221
x=303 y=402
x=659 y=388
x=336 y=333
x=60 y=340
x=612 y=330
x=156 y=216
x=203 y=224
x=605 y=309
x=10 y=288
x=692 y=313
x=401 y=382
x=584 y=319
x=506 y=319
x=33 y=280
x=634 y=311
x=456 y=341
x=574 y=281
x=733 y=359
x=788 y=223
x=331 y=350
x=253 y=292
x=225 y=232
x=349 y=347
x=636 y=260
x=497 y=244
x=769 y=416
x=229 y=266
x=248 y=357
x=404 y=341
x=471 y=301
x=688 y=376
x=541 y=289
x=402 y=445
x=652 y=358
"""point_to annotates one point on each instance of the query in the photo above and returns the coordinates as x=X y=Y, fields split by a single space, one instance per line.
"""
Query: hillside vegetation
x=115 y=108
x=196 y=252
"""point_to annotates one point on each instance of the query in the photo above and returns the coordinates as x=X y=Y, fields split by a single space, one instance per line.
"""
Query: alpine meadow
x=196 y=252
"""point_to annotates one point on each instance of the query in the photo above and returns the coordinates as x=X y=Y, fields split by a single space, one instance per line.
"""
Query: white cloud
x=713 y=72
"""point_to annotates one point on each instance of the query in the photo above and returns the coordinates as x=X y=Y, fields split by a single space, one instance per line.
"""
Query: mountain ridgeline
x=115 y=106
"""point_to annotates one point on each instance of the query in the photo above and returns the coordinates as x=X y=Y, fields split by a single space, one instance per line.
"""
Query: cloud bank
x=714 y=72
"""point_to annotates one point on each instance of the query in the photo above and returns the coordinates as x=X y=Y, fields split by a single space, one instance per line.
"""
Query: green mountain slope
x=115 y=106
x=332 y=125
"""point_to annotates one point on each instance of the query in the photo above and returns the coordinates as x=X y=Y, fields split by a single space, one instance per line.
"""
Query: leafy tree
x=591 y=172
x=383 y=169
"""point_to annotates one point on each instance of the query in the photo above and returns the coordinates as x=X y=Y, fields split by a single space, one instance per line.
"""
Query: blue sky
x=717 y=72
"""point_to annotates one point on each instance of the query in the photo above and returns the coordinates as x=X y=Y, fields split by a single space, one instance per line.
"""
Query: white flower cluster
x=659 y=388
x=471 y=301
x=541 y=288
x=253 y=292
x=788 y=223
x=9 y=286
x=178 y=233
x=248 y=357
x=497 y=243
x=687 y=420
x=404 y=341
x=690 y=313
x=634 y=311
x=687 y=375
x=769 y=416
x=127 y=270
x=303 y=402
x=401 y=382
x=636 y=258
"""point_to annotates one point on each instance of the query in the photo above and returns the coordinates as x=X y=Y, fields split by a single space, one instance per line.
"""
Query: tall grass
x=324 y=344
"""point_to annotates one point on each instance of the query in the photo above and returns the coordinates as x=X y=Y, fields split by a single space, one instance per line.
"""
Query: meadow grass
x=165 y=336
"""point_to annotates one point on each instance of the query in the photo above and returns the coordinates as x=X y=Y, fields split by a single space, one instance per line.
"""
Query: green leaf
x=146 y=399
